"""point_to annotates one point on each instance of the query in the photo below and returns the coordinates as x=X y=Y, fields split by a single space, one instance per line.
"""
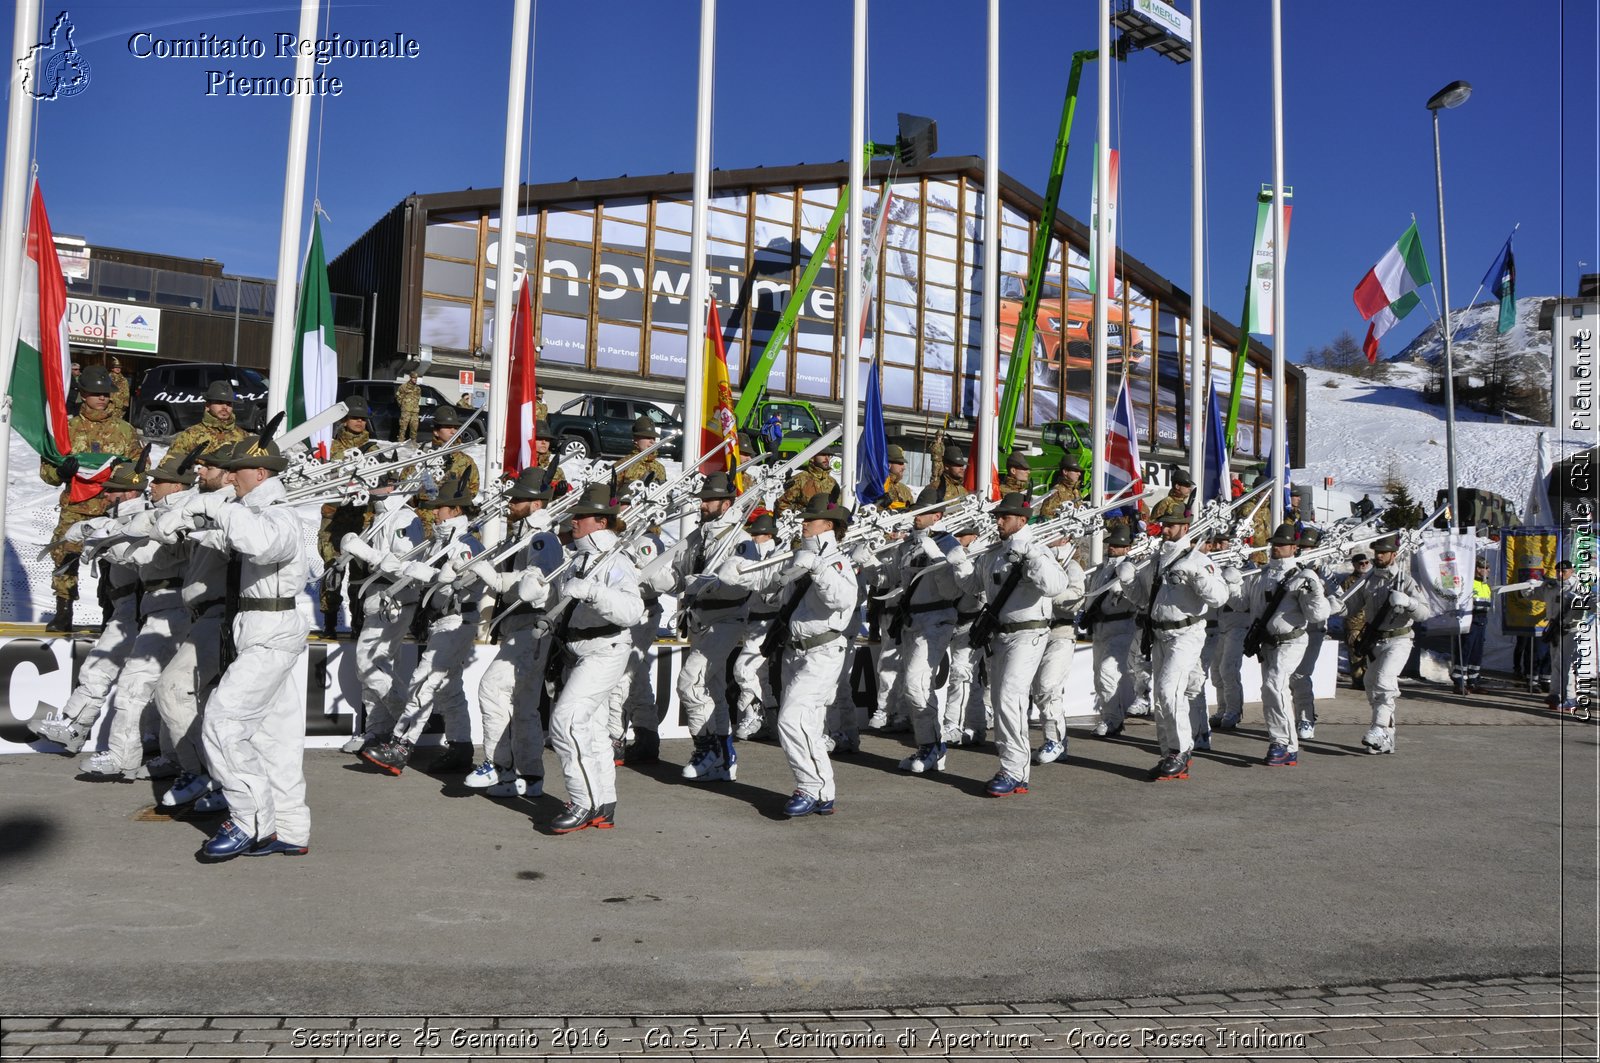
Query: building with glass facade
x=611 y=262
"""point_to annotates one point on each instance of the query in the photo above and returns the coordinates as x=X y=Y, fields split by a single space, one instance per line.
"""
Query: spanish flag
x=719 y=423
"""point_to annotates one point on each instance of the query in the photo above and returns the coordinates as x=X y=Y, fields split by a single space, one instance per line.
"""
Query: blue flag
x=872 y=460
x=1219 y=478
x=1502 y=281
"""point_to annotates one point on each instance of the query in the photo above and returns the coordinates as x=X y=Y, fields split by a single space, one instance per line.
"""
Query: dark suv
x=171 y=397
x=386 y=409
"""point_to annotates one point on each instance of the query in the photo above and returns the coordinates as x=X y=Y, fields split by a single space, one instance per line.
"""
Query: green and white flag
x=314 y=373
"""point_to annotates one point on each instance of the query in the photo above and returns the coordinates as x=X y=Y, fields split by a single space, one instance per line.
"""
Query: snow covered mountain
x=1479 y=350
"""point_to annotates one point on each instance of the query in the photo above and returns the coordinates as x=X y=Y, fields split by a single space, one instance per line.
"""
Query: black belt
x=266 y=605
x=1058 y=624
x=1115 y=616
x=1023 y=625
x=811 y=642
x=199 y=609
x=754 y=617
x=1287 y=636
x=1174 y=625
x=604 y=631
x=967 y=618
x=709 y=604
x=172 y=584
x=118 y=593
x=519 y=609
x=934 y=607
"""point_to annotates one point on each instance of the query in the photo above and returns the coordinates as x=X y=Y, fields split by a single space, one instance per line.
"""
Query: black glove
x=67 y=467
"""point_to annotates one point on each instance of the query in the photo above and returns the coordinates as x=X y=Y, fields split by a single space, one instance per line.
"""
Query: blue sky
x=144 y=158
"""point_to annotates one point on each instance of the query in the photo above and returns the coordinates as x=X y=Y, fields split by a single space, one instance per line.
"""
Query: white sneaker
x=487 y=775
x=1101 y=730
x=952 y=736
x=185 y=788
x=927 y=758
x=749 y=725
x=103 y=763
x=1050 y=752
x=517 y=786
x=355 y=743
x=64 y=732
x=709 y=765
x=878 y=720
x=162 y=767
x=1307 y=730
x=1379 y=740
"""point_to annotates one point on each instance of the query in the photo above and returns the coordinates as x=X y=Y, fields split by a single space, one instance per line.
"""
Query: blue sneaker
x=229 y=841
x=485 y=775
x=803 y=804
x=1226 y=721
x=1280 y=757
x=1051 y=752
x=1202 y=743
x=272 y=844
x=1003 y=785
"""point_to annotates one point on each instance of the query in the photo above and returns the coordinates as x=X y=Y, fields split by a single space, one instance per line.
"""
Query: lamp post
x=1452 y=95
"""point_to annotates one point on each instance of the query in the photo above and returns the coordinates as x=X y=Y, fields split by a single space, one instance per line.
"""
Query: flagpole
x=13 y=222
x=1444 y=330
x=1102 y=229
x=1280 y=389
x=850 y=384
x=694 y=367
x=1197 y=259
x=294 y=187
x=989 y=369
x=505 y=265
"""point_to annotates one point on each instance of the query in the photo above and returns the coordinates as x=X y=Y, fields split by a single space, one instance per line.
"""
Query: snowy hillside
x=1478 y=342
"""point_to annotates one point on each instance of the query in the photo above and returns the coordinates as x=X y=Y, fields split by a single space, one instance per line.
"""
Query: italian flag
x=314 y=372
x=1389 y=290
x=43 y=363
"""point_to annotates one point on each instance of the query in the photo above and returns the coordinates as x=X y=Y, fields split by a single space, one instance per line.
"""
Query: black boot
x=62 y=621
x=330 y=616
x=458 y=757
x=646 y=748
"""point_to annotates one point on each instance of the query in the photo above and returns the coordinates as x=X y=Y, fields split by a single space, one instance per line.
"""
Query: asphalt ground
x=1470 y=852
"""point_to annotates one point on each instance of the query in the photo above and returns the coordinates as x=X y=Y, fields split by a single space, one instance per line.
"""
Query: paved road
x=1469 y=853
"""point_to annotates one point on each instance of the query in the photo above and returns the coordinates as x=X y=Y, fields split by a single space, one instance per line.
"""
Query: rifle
x=1410 y=539
x=1256 y=633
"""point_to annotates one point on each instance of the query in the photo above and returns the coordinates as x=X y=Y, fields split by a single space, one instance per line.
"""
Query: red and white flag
x=1122 y=447
x=523 y=396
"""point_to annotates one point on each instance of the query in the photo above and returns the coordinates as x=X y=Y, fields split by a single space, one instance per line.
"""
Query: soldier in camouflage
x=1017 y=478
x=446 y=422
x=120 y=396
x=546 y=457
x=650 y=470
x=815 y=479
x=409 y=397
x=339 y=521
x=94 y=430
x=1069 y=486
x=951 y=483
x=216 y=427
x=896 y=495
x=540 y=410
x=1180 y=499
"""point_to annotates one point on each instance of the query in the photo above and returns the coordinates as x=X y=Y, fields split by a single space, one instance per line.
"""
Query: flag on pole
x=1260 y=312
x=872 y=459
x=1538 y=513
x=42 y=368
x=1389 y=290
x=314 y=371
x=719 y=422
x=1502 y=281
x=1123 y=465
x=1219 y=477
x=523 y=396
x=1105 y=262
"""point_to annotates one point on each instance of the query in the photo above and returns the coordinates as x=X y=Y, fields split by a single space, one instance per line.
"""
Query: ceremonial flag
x=42 y=368
x=314 y=372
x=1105 y=262
x=523 y=397
x=719 y=423
x=872 y=460
x=1123 y=464
x=1219 y=477
x=1260 y=314
x=1389 y=290
x=1502 y=281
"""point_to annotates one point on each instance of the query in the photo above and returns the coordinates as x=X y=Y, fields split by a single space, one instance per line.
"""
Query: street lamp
x=1452 y=95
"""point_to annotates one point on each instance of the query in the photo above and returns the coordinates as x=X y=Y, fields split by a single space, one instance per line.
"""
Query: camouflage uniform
x=1059 y=496
x=337 y=521
x=208 y=434
x=120 y=398
x=951 y=486
x=540 y=410
x=806 y=483
x=1171 y=504
x=455 y=465
x=897 y=495
x=549 y=463
x=641 y=470
x=1353 y=625
x=1018 y=483
x=409 y=396
x=89 y=433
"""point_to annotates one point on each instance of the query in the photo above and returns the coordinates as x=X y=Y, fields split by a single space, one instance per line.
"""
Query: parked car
x=171 y=397
x=380 y=396
x=604 y=425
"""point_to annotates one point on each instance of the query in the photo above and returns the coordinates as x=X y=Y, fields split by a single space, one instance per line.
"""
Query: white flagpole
x=850 y=384
x=1102 y=230
x=13 y=223
x=1198 y=398
x=989 y=369
x=284 y=304
x=1280 y=389
x=505 y=264
x=694 y=367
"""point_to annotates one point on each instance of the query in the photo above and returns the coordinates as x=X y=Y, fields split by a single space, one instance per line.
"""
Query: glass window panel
x=668 y=350
x=667 y=241
x=181 y=289
x=814 y=339
x=900 y=350
x=935 y=393
x=118 y=280
x=626 y=209
x=564 y=339
x=446 y=325
x=727 y=227
x=566 y=226
x=774 y=207
x=814 y=375
x=941 y=244
x=455 y=241
x=617 y=347
x=1015 y=262
x=621 y=233
x=899 y=387
x=448 y=278
x=736 y=202
x=1014 y=238
x=826 y=196
x=675 y=214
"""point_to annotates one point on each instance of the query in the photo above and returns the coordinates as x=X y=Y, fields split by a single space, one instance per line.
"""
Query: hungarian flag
x=1502 y=281
x=1123 y=465
x=314 y=372
x=1389 y=290
x=524 y=395
x=719 y=423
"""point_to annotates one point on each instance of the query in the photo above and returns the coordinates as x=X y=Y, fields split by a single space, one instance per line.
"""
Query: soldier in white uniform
x=751 y=671
x=1110 y=622
x=1175 y=587
x=1569 y=613
x=715 y=612
x=1390 y=601
x=927 y=567
x=814 y=622
x=1285 y=599
x=1225 y=650
x=1055 y=668
x=1019 y=578
x=1300 y=685
x=968 y=703
x=254 y=726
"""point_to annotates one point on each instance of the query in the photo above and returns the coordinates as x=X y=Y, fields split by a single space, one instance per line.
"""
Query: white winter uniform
x=197 y=664
x=255 y=726
x=163 y=627
x=1284 y=643
x=633 y=702
x=821 y=621
x=1114 y=635
x=927 y=611
x=968 y=704
x=1225 y=649
x=751 y=670
x=1055 y=668
x=98 y=673
x=1569 y=608
x=1019 y=642
x=605 y=605
x=508 y=693
x=1189 y=585
x=386 y=618
x=1300 y=683
x=716 y=611
x=1389 y=655
x=437 y=684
